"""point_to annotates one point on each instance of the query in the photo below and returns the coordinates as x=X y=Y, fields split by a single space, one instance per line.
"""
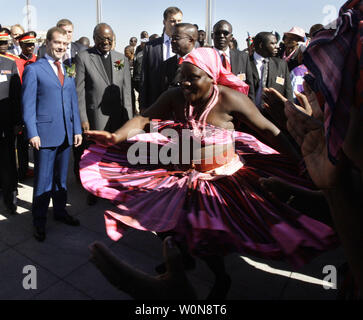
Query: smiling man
x=183 y=41
x=51 y=117
x=103 y=82
x=73 y=48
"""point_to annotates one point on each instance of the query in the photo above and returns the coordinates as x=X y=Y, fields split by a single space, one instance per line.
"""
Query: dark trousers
x=50 y=181
x=22 y=145
x=8 y=172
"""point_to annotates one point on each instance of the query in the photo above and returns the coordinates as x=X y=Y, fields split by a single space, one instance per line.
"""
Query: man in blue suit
x=51 y=116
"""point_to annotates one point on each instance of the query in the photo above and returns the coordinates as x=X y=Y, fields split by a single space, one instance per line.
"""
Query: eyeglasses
x=104 y=39
x=219 y=33
x=179 y=38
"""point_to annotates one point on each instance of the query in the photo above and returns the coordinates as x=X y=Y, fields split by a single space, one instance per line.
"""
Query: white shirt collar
x=50 y=59
x=226 y=52
x=258 y=58
x=166 y=37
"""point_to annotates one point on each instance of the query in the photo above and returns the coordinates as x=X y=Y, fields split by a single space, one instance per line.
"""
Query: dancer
x=215 y=204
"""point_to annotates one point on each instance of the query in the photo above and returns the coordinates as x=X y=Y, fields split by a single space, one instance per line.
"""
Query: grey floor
x=64 y=270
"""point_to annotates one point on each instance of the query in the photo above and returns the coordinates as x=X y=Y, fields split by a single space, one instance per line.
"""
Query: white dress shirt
x=17 y=50
x=68 y=53
x=227 y=53
x=167 y=48
x=54 y=67
x=259 y=66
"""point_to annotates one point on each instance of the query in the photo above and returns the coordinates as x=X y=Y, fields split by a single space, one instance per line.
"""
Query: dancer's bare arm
x=242 y=107
x=161 y=109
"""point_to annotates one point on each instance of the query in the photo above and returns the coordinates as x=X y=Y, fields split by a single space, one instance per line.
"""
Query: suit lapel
x=113 y=60
x=96 y=59
x=46 y=66
x=271 y=72
x=234 y=62
x=256 y=78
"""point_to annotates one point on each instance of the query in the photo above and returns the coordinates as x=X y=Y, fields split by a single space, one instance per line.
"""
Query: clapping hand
x=274 y=106
x=306 y=127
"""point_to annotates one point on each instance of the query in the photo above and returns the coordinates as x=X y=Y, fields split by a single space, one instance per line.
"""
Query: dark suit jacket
x=151 y=86
x=241 y=66
x=278 y=77
x=10 y=92
x=168 y=73
x=75 y=49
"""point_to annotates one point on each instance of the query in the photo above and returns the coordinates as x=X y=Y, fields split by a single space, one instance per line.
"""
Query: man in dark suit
x=183 y=40
x=155 y=53
x=51 y=117
x=73 y=48
x=232 y=59
x=268 y=70
x=103 y=82
x=10 y=122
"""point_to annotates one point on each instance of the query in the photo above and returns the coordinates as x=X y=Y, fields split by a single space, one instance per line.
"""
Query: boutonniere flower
x=119 y=64
x=71 y=70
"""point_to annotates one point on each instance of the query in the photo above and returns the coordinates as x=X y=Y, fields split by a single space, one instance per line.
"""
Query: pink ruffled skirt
x=213 y=213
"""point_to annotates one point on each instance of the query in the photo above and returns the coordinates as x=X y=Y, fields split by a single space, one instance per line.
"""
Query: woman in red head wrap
x=211 y=199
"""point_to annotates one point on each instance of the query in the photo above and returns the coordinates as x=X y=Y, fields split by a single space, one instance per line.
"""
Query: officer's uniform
x=22 y=143
x=10 y=116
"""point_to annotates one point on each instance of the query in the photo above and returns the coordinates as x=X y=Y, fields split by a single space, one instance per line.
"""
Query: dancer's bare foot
x=170 y=286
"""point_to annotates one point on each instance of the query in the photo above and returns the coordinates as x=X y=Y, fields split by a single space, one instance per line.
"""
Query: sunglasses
x=219 y=33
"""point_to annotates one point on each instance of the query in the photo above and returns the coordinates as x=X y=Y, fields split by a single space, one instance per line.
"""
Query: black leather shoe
x=67 y=219
x=39 y=233
x=91 y=199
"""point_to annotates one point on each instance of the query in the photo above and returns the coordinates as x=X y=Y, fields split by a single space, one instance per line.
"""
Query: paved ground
x=64 y=272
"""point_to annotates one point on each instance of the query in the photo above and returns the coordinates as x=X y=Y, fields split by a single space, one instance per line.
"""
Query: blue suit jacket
x=50 y=111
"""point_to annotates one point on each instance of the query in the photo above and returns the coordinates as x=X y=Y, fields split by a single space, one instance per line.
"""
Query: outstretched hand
x=101 y=137
x=274 y=106
x=308 y=132
x=173 y=285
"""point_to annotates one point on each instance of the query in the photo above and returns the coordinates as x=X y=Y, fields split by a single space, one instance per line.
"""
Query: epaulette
x=4 y=56
x=12 y=55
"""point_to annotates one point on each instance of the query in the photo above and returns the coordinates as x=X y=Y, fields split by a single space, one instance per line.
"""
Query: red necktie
x=180 y=60
x=226 y=63
x=60 y=73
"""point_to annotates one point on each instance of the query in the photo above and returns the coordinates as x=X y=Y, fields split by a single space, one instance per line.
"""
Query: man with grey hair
x=103 y=83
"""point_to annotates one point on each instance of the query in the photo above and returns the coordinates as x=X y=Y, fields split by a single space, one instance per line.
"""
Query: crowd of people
x=278 y=172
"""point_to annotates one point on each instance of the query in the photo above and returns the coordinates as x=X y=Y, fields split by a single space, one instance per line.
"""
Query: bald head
x=222 y=35
x=189 y=29
x=183 y=38
x=103 y=37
